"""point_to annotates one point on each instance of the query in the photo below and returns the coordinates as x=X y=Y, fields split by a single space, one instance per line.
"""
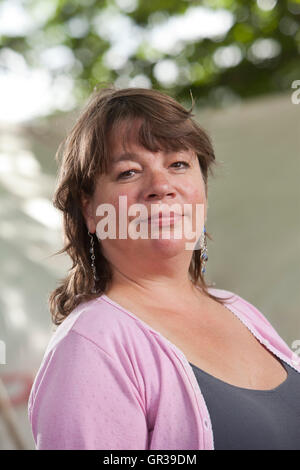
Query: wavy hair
x=84 y=154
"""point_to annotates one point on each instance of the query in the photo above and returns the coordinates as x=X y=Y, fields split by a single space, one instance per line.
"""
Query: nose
x=158 y=187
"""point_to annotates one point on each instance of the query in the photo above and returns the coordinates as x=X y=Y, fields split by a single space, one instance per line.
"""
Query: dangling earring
x=203 y=248
x=93 y=259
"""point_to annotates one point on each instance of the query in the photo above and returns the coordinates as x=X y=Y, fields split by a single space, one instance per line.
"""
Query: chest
x=221 y=345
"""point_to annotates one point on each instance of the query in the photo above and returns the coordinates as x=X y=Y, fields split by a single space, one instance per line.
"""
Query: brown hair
x=166 y=125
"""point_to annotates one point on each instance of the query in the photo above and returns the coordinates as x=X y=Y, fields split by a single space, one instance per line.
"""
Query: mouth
x=164 y=219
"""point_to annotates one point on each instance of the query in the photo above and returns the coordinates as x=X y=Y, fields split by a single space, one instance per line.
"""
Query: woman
x=147 y=355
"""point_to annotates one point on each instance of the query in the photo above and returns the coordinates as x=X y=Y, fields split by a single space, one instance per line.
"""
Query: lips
x=169 y=220
x=164 y=216
x=160 y=214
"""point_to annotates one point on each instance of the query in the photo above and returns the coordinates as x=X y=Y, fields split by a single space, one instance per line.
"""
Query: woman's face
x=151 y=179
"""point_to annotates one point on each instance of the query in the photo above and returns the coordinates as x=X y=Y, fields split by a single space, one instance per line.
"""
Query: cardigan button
x=206 y=424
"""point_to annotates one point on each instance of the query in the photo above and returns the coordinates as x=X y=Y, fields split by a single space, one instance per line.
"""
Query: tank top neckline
x=250 y=390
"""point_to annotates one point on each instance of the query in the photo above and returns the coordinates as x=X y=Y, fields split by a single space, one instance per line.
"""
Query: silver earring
x=93 y=258
x=203 y=248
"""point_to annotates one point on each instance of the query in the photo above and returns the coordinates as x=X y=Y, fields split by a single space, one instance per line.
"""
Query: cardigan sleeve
x=86 y=400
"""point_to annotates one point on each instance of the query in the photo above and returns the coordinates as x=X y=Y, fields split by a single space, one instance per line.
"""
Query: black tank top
x=246 y=419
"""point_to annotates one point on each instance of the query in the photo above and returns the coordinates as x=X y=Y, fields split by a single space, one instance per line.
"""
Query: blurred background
x=240 y=60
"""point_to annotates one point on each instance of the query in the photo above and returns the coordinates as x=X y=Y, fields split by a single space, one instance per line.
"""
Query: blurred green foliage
x=258 y=53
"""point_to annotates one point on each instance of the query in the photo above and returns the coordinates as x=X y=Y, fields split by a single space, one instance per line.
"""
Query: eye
x=186 y=164
x=123 y=174
x=126 y=175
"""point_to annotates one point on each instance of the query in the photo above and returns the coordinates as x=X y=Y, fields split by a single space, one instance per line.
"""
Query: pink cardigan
x=110 y=381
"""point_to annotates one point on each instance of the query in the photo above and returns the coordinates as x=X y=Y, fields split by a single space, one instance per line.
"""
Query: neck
x=154 y=289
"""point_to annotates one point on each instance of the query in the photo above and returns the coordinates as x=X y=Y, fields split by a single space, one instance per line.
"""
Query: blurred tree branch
x=258 y=54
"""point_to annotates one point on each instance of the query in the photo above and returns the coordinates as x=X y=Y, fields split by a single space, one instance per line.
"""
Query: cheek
x=112 y=197
x=123 y=197
x=195 y=194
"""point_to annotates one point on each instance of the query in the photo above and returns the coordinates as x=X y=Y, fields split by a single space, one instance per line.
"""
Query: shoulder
x=244 y=308
x=101 y=322
x=256 y=320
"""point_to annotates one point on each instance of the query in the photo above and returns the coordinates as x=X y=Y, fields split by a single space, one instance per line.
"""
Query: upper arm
x=86 y=400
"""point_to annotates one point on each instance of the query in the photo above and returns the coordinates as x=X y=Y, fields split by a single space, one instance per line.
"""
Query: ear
x=87 y=212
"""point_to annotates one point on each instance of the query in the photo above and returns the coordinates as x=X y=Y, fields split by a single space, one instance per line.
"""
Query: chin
x=166 y=247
